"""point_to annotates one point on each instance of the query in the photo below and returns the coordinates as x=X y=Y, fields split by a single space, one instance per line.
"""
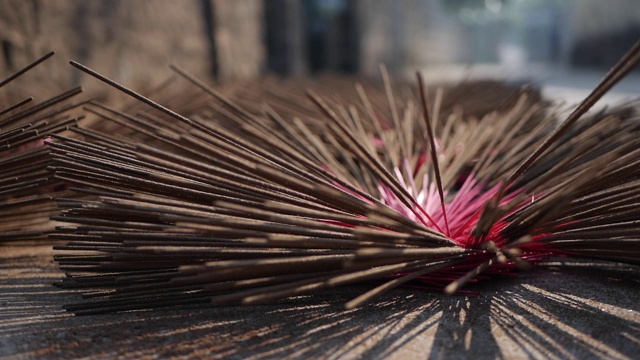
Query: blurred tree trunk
x=238 y=38
x=333 y=35
x=285 y=26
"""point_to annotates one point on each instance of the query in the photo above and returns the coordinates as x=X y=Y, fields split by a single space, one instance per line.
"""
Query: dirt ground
x=580 y=312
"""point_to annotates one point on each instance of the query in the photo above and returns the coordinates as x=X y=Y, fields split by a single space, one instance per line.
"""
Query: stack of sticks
x=262 y=191
x=27 y=188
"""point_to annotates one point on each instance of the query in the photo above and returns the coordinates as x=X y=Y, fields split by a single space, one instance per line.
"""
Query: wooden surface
x=546 y=313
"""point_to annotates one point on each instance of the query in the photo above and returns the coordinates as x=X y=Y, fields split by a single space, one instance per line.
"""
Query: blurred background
x=556 y=42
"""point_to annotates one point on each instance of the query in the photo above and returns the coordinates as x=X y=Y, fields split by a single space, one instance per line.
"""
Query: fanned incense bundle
x=26 y=187
x=240 y=202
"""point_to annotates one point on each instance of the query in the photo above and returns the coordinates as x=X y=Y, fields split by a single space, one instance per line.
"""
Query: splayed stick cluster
x=26 y=187
x=260 y=195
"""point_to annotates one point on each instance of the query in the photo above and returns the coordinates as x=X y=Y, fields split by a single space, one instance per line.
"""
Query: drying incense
x=26 y=186
x=266 y=192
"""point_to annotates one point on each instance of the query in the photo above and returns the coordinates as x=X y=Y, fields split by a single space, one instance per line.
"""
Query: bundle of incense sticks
x=262 y=192
x=26 y=186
